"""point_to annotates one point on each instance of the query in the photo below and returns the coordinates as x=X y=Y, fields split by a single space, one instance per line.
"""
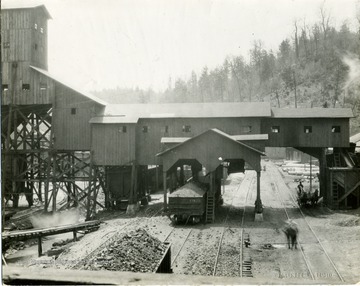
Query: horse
x=291 y=231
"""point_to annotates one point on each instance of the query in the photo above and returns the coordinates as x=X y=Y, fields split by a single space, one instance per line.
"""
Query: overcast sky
x=98 y=44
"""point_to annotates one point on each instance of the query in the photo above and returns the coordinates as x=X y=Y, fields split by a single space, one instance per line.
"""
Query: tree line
x=318 y=66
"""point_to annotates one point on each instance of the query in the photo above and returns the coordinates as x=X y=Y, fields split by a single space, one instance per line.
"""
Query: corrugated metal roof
x=312 y=112
x=190 y=110
x=84 y=93
x=24 y=4
x=248 y=137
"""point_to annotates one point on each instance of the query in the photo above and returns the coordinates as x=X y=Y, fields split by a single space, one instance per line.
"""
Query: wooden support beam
x=258 y=203
x=348 y=192
x=89 y=197
x=165 y=190
x=39 y=246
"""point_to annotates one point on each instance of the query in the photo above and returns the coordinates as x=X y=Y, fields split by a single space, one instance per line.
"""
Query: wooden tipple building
x=57 y=137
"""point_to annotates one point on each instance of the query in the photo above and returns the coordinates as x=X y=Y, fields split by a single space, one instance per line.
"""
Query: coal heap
x=136 y=251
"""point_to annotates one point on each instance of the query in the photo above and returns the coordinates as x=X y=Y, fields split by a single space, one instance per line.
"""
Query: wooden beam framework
x=31 y=165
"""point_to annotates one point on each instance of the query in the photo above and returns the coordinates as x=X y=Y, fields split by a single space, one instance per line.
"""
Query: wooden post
x=38 y=156
x=106 y=191
x=89 y=197
x=165 y=190
x=39 y=246
x=54 y=191
x=132 y=183
x=157 y=179
x=258 y=203
x=75 y=235
x=15 y=166
x=323 y=178
x=135 y=194
x=329 y=196
x=182 y=175
x=3 y=169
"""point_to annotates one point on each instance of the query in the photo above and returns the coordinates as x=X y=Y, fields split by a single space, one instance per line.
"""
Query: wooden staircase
x=337 y=160
x=210 y=207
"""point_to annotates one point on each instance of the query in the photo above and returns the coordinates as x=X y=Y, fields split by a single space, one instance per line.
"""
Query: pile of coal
x=136 y=251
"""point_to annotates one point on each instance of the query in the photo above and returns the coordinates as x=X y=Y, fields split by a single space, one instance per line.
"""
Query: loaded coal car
x=187 y=203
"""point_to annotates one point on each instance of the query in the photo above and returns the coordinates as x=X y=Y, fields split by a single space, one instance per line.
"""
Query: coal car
x=187 y=203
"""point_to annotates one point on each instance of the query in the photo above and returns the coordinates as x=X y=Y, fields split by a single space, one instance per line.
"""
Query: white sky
x=98 y=44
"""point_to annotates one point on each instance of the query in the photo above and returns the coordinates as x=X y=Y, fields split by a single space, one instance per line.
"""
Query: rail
x=315 y=235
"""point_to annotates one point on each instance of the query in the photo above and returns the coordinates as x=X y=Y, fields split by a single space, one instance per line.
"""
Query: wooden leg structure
x=33 y=166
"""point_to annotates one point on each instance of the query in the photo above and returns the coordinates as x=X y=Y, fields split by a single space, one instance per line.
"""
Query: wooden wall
x=292 y=132
x=148 y=144
x=41 y=91
x=207 y=148
x=111 y=146
x=23 y=45
x=72 y=131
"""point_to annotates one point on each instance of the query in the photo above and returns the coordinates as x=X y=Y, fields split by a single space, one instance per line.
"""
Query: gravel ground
x=269 y=257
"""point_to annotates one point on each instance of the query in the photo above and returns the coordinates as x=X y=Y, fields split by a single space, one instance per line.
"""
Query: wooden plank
x=41 y=232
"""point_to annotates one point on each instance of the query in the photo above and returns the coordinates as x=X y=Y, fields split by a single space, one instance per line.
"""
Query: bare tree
x=325 y=21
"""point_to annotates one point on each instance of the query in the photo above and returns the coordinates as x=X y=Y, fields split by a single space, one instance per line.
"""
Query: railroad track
x=241 y=267
x=318 y=258
x=231 y=234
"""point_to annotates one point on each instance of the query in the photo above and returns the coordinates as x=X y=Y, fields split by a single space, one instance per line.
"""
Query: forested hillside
x=317 y=66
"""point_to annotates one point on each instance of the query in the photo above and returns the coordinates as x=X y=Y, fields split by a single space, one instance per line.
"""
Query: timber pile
x=136 y=251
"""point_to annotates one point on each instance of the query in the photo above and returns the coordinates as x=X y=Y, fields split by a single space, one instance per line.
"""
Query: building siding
x=148 y=144
x=292 y=132
x=110 y=146
x=72 y=131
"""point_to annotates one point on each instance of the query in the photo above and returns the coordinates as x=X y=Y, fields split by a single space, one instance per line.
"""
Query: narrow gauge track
x=318 y=262
x=210 y=249
x=230 y=259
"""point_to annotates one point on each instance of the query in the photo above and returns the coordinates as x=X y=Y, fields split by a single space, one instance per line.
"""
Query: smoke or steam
x=353 y=77
x=59 y=218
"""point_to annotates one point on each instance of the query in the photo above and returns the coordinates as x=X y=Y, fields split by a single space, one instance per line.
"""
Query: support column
x=322 y=178
x=165 y=190
x=258 y=203
x=182 y=175
x=157 y=179
x=90 y=189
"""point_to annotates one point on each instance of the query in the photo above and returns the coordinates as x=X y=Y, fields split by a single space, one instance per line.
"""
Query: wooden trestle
x=31 y=165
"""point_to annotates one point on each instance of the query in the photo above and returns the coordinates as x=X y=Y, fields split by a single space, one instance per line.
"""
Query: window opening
x=123 y=129
x=186 y=128
x=35 y=26
x=165 y=129
x=43 y=86
x=246 y=129
x=335 y=129
x=26 y=86
x=73 y=111
x=41 y=30
x=307 y=129
x=275 y=129
x=5 y=87
x=145 y=129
